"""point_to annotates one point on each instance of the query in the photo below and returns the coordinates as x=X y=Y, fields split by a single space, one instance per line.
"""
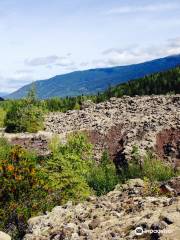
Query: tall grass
x=2 y=117
x=102 y=178
x=151 y=168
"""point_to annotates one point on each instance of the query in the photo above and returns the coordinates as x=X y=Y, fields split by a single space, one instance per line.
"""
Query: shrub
x=24 y=188
x=103 y=178
x=69 y=166
x=30 y=187
x=25 y=115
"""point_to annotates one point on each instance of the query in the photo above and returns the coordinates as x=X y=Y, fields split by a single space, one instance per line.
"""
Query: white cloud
x=41 y=60
x=50 y=61
x=84 y=64
x=13 y=82
x=136 y=54
x=65 y=62
x=142 y=8
x=24 y=71
x=109 y=57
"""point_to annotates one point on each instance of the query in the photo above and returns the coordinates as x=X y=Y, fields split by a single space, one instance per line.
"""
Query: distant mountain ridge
x=2 y=94
x=95 y=80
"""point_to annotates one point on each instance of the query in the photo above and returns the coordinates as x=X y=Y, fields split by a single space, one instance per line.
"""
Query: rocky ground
x=115 y=216
x=150 y=122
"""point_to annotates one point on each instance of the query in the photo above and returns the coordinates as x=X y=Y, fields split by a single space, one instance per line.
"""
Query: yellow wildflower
x=33 y=171
x=18 y=178
x=10 y=168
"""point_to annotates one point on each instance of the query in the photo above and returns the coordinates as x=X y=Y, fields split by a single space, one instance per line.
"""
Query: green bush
x=102 y=178
x=69 y=166
x=25 y=115
x=23 y=191
x=29 y=187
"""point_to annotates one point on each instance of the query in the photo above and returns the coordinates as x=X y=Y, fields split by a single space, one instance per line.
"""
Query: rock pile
x=36 y=142
x=120 y=215
x=119 y=124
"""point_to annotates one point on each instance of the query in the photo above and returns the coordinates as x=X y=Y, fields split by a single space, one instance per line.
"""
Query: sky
x=43 y=38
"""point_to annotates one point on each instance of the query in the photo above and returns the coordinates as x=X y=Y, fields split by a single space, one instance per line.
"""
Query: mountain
x=2 y=94
x=95 y=80
x=166 y=83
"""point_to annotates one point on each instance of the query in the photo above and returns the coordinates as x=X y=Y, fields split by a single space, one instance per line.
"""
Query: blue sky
x=43 y=38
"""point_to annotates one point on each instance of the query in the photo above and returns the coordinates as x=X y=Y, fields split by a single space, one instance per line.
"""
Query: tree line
x=167 y=82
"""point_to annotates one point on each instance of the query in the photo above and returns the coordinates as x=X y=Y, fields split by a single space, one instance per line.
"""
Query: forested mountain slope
x=92 y=81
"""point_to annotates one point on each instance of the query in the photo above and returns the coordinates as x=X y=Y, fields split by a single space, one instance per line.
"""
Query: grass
x=152 y=168
x=2 y=117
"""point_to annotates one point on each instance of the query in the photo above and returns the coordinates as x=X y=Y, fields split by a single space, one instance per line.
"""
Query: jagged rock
x=94 y=223
x=113 y=216
x=175 y=184
x=36 y=142
x=150 y=122
x=166 y=189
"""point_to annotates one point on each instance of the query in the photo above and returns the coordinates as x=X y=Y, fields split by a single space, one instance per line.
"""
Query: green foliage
x=30 y=187
x=65 y=104
x=25 y=115
x=103 y=178
x=69 y=166
x=158 y=83
x=156 y=170
x=135 y=154
x=151 y=168
x=2 y=117
x=23 y=192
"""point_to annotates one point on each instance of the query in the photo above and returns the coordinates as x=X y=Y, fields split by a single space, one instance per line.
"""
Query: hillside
x=166 y=82
x=2 y=94
x=95 y=80
x=157 y=83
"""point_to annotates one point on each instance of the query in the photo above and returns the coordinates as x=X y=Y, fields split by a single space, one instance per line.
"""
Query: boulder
x=112 y=216
x=150 y=122
x=4 y=236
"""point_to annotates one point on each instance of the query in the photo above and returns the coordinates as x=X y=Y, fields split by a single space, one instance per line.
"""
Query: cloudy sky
x=43 y=38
